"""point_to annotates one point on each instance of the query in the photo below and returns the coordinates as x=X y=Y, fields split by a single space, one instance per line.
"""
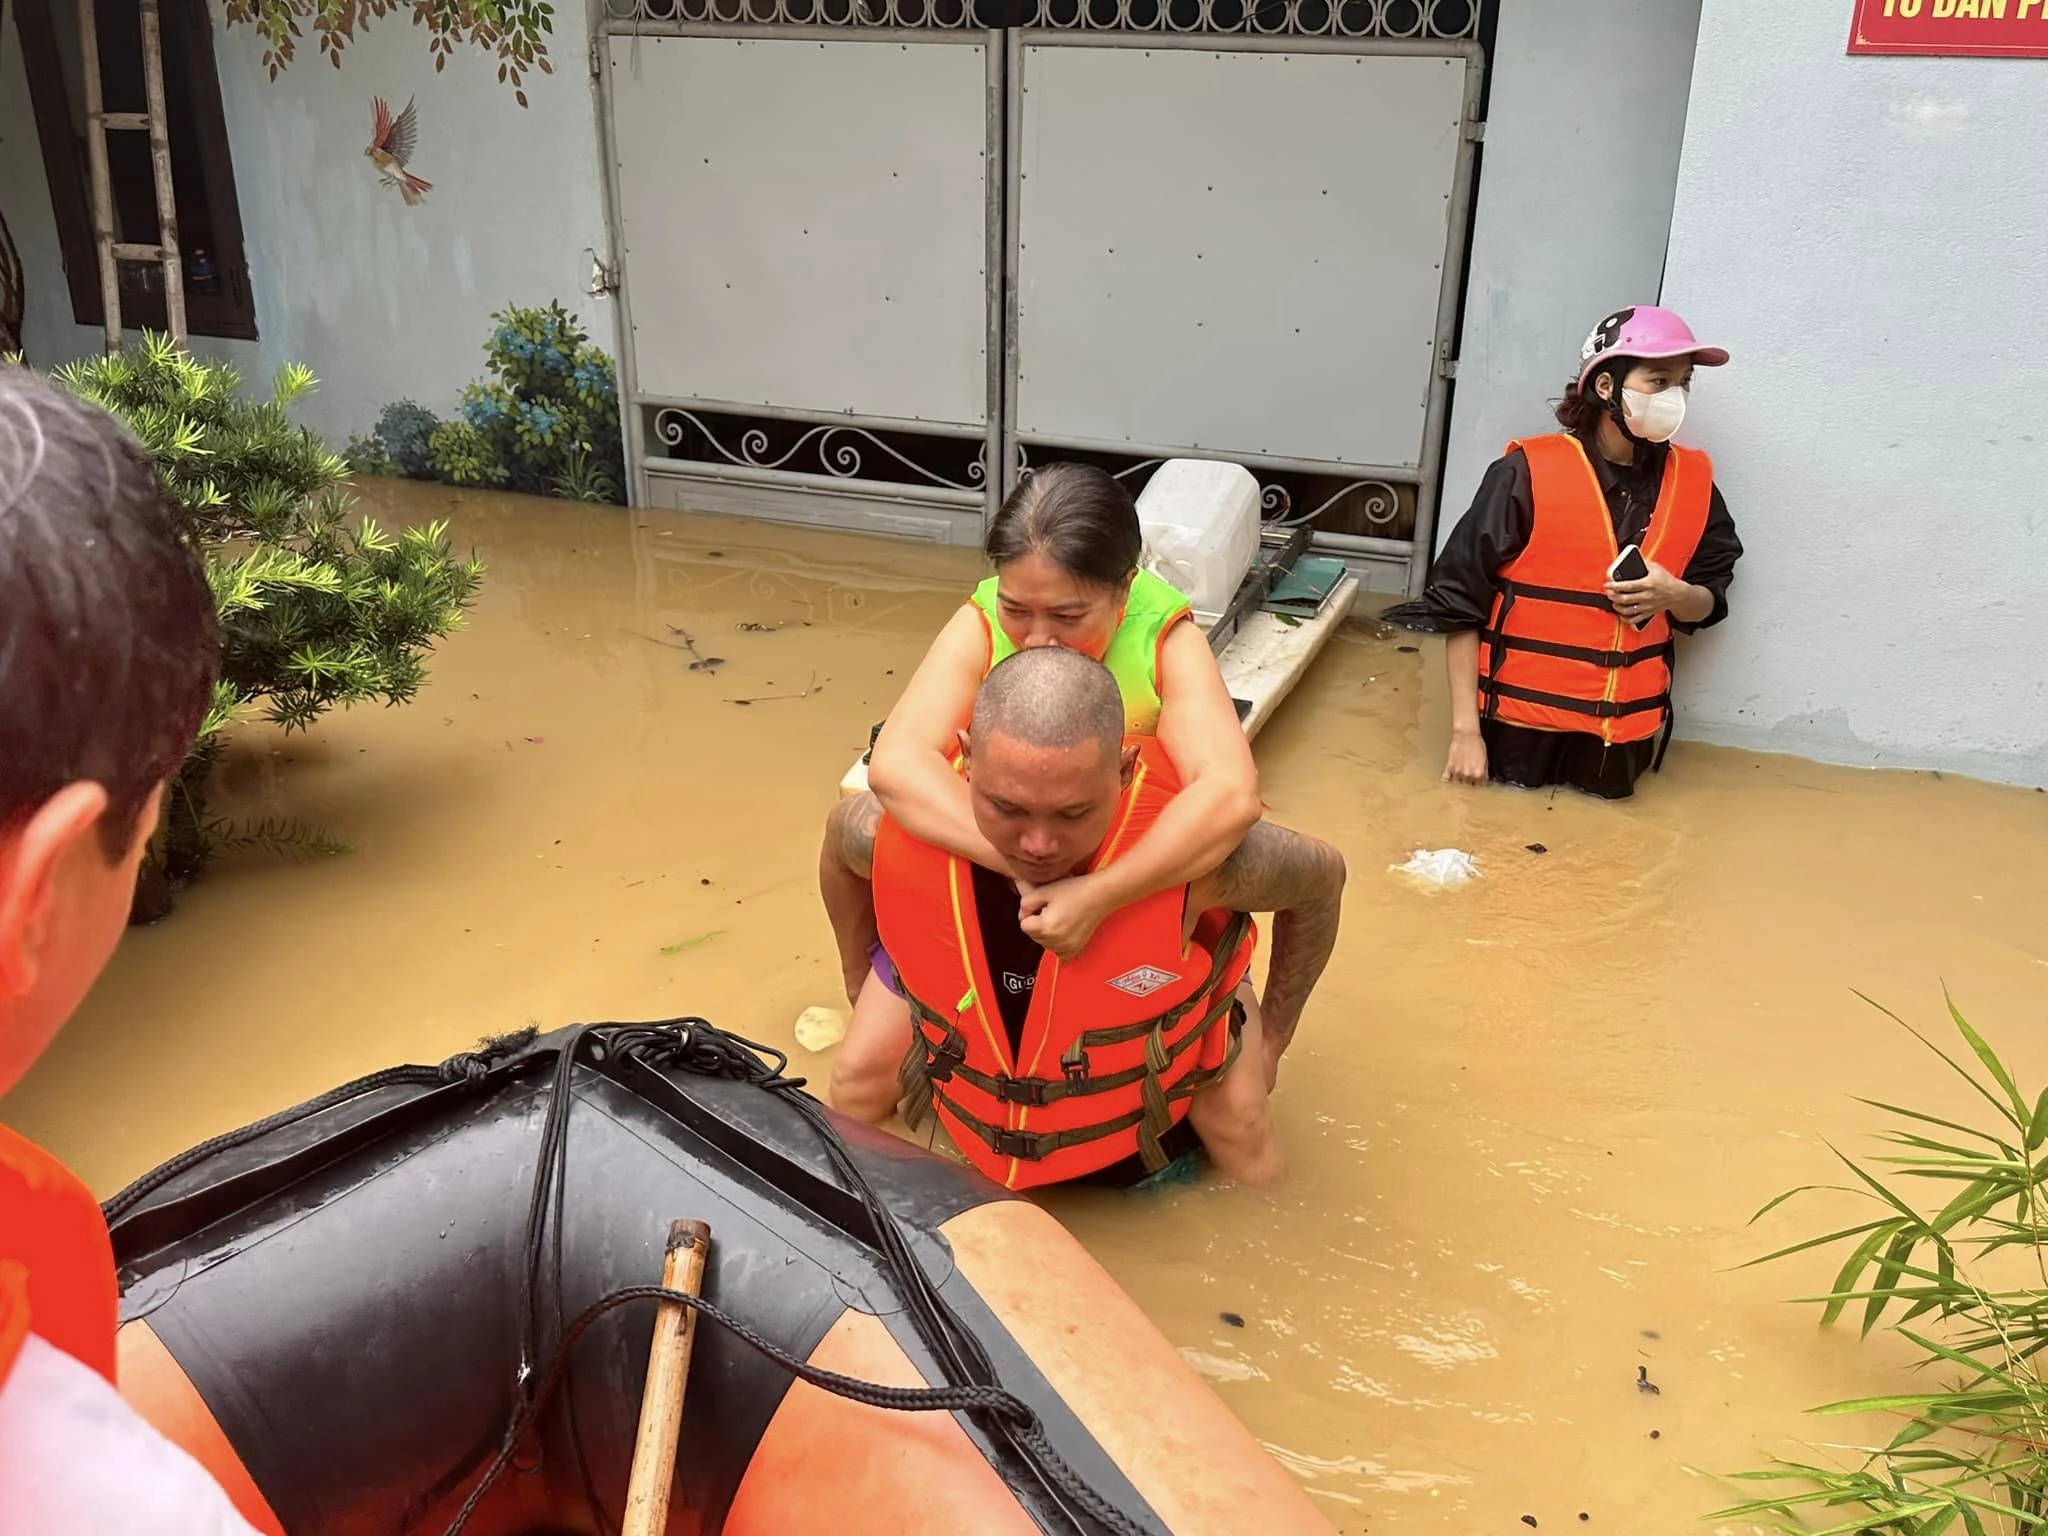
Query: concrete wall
x=1867 y=236
x=1582 y=142
x=379 y=299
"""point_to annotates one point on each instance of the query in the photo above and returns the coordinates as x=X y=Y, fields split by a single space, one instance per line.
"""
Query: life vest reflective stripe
x=1555 y=655
x=1116 y=1042
x=1151 y=611
x=56 y=1260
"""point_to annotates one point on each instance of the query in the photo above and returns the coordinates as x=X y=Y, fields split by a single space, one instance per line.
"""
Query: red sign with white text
x=1985 y=29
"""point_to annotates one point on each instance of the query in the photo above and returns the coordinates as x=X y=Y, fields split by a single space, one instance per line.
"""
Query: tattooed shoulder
x=1276 y=870
x=855 y=822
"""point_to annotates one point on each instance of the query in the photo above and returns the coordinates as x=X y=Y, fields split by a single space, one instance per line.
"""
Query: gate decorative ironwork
x=878 y=455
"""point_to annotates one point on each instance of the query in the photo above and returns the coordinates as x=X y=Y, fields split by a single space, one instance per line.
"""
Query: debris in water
x=1538 y=848
x=755 y=627
x=1656 y=1434
x=1409 y=650
x=536 y=740
x=1439 y=866
x=703 y=882
x=769 y=698
x=1530 y=1521
x=1645 y=1385
x=1234 y=1319
x=819 y=1029
x=1584 y=1516
x=683 y=642
x=1651 y=1333
x=688 y=944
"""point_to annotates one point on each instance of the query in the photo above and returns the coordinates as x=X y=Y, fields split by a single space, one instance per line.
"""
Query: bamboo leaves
x=1972 y=1455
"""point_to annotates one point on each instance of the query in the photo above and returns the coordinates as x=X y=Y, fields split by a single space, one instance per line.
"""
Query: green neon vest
x=1133 y=657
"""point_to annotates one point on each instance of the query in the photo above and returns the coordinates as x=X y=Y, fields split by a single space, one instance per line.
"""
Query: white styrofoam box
x=1201 y=523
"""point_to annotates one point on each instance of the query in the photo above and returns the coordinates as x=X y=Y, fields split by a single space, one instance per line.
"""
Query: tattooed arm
x=845 y=870
x=1300 y=880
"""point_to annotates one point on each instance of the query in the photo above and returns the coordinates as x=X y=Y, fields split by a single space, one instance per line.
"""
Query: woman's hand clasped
x=1639 y=601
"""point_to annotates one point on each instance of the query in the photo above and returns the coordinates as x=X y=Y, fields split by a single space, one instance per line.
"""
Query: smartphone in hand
x=1629 y=565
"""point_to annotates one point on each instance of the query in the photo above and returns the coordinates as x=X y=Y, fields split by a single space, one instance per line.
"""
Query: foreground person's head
x=108 y=649
x=1065 y=546
x=1046 y=760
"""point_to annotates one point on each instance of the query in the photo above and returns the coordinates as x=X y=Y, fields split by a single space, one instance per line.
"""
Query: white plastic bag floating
x=1439 y=866
x=819 y=1029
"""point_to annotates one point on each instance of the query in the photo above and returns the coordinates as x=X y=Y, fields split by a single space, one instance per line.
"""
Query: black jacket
x=1495 y=531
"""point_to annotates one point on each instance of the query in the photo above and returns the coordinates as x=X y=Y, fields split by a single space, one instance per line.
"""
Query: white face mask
x=1655 y=418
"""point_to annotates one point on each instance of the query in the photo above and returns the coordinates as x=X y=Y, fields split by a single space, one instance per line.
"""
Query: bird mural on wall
x=392 y=140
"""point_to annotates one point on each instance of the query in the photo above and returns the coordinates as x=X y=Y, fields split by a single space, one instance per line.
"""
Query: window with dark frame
x=217 y=297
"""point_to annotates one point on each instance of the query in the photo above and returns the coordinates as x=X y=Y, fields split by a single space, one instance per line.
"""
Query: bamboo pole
x=668 y=1373
x=160 y=159
x=102 y=186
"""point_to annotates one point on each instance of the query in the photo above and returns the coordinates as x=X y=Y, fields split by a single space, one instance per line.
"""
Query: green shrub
x=461 y=455
x=366 y=456
x=550 y=408
x=405 y=430
x=318 y=608
x=544 y=421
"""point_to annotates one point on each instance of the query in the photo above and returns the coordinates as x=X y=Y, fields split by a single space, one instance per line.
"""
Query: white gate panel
x=1233 y=250
x=805 y=223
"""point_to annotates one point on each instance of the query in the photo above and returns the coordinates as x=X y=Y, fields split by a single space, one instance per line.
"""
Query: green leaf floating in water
x=686 y=944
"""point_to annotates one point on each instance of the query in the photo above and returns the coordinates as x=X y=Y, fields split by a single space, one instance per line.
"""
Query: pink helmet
x=1648 y=333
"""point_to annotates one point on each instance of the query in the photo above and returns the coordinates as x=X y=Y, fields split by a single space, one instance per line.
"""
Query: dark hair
x=1049 y=696
x=1079 y=517
x=1581 y=409
x=109 y=642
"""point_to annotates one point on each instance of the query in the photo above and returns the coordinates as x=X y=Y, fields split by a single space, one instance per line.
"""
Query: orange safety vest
x=1554 y=655
x=1131 y=1030
x=57 y=1282
x=56 y=1260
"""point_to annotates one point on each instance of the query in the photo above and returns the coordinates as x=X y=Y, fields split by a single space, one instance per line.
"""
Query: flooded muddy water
x=1529 y=1117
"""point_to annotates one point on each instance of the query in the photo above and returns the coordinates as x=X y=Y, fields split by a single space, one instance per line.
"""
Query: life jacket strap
x=1572 y=595
x=1152 y=1120
x=1599 y=709
x=1610 y=660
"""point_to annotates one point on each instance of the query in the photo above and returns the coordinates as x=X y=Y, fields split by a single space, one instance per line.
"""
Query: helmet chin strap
x=1612 y=404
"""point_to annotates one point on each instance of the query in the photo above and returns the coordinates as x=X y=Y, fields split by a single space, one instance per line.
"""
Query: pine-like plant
x=318 y=607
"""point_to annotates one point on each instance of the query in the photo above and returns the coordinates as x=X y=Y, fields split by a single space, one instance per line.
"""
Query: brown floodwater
x=1529 y=1117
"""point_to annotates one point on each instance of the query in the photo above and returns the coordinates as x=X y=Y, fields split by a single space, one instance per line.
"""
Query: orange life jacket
x=1117 y=1041
x=56 y=1260
x=1555 y=656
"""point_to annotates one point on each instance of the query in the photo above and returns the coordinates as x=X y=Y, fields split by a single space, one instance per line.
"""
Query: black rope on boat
x=693 y=1045
x=968 y=1399
x=468 y=1066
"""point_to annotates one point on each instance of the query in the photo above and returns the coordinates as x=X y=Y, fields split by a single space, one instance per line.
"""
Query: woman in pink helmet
x=1584 y=551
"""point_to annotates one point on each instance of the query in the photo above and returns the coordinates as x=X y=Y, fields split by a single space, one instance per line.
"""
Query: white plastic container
x=1201 y=524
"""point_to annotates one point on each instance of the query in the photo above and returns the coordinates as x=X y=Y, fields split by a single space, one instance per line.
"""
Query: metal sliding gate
x=879 y=257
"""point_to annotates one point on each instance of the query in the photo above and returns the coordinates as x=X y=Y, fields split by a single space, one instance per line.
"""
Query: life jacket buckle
x=1023 y=1145
x=944 y=1058
x=1028 y=1091
x=1075 y=1069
